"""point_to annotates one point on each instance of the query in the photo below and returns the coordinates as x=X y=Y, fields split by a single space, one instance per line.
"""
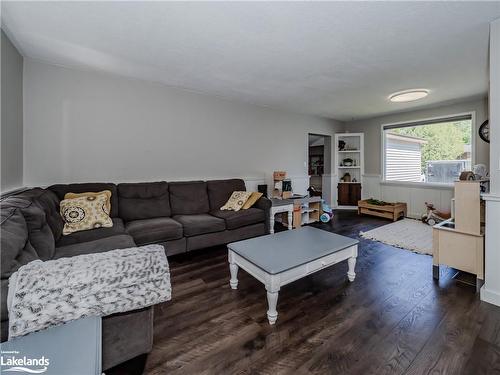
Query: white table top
x=276 y=253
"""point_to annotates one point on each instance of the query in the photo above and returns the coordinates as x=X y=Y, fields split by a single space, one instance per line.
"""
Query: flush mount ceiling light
x=408 y=95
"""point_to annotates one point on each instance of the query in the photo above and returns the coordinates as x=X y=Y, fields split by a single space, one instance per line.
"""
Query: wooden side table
x=280 y=206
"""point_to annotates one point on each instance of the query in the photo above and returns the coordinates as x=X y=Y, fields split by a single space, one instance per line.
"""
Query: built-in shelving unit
x=349 y=173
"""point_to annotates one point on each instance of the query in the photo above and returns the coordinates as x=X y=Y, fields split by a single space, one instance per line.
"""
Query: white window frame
x=472 y=114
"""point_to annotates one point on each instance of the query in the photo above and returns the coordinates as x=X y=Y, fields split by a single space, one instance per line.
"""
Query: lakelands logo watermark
x=13 y=361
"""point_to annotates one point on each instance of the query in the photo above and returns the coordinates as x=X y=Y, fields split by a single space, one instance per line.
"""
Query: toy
x=433 y=216
x=327 y=214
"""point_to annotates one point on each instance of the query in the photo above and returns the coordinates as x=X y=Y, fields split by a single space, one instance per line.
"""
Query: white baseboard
x=490 y=296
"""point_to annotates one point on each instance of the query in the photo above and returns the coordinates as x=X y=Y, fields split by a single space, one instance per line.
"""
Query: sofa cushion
x=199 y=224
x=93 y=234
x=219 y=191
x=62 y=189
x=240 y=218
x=4 y=312
x=85 y=213
x=143 y=200
x=94 y=194
x=225 y=237
x=48 y=201
x=236 y=201
x=252 y=200
x=188 y=198
x=158 y=229
x=16 y=251
x=16 y=248
x=39 y=232
x=122 y=241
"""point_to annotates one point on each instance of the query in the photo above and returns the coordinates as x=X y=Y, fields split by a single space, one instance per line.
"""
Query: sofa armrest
x=264 y=204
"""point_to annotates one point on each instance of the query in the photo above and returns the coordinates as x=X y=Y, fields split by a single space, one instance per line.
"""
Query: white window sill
x=420 y=185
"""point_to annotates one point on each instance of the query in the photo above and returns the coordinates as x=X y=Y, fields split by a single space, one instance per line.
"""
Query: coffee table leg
x=350 y=273
x=271 y=222
x=233 y=269
x=272 y=301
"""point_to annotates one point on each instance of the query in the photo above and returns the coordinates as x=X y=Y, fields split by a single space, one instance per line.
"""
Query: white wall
x=494 y=113
x=415 y=196
x=372 y=128
x=491 y=289
x=12 y=116
x=90 y=126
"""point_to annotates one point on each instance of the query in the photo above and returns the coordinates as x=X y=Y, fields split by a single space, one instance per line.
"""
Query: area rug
x=406 y=234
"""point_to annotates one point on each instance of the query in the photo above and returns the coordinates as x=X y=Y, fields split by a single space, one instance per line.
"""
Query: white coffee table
x=278 y=259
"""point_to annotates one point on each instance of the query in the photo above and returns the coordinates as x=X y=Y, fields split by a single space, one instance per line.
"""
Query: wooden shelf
x=349 y=193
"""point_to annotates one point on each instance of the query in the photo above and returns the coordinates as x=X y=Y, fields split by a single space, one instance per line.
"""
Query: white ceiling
x=338 y=59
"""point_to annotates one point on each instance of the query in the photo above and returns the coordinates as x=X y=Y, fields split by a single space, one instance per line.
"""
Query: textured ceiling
x=338 y=59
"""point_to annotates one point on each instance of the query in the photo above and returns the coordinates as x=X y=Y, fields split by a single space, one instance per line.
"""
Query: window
x=433 y=151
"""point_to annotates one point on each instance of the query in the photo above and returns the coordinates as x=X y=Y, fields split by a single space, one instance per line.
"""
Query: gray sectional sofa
x=181 y=216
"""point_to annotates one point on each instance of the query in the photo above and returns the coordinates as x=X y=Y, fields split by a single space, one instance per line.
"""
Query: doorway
x=319 y=165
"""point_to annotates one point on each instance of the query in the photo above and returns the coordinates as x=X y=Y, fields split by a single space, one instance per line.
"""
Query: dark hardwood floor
x=393 y=319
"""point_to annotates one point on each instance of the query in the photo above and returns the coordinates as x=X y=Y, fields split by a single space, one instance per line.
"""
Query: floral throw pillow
x=79 y=195
x=237 y=200
x=84 y=213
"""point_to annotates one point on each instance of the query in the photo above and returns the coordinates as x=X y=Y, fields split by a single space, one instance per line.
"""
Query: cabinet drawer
x=324 y=262
x=461 y=251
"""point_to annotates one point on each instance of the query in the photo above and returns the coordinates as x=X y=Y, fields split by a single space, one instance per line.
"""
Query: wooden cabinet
x=349 y=194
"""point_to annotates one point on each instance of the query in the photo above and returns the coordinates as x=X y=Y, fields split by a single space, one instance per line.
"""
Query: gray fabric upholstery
x=174 y=246
x=122 y=241
x=39 y=231
x=145 y=207
x=145 y=200
x=264 y=204
x=62 y=189
x=125 y=336
x=149 y=231
x=14 y=242
x=16 y=251
x=194 y=225
x=93 y=234
x=4 y=314
x=225 y=237
x=219 y=191
x=188 y=198
x=49 y=202
x=240 y=218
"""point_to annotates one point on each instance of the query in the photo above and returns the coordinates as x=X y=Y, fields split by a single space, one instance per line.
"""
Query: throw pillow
x=85 y=213
x=91 y=194
x=237 y=200
x=251 y=201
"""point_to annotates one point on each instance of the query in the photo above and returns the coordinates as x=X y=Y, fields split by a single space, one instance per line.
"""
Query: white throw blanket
x=44 y=294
